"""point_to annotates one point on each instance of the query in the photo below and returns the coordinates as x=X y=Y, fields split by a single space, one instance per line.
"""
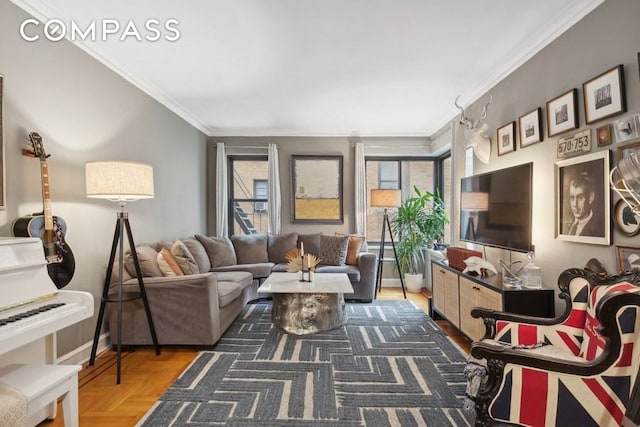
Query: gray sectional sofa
x=197 y=286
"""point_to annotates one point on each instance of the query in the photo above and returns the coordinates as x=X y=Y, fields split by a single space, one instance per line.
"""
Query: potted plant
x=418 y=224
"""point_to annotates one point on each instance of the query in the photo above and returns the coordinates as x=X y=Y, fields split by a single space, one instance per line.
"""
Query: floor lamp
x=121 y=182
x=386 y=199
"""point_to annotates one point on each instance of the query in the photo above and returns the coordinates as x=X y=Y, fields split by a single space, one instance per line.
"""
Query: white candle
x=302 y=249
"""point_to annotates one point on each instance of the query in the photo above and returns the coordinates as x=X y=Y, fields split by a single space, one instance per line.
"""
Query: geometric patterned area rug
x=390 y=365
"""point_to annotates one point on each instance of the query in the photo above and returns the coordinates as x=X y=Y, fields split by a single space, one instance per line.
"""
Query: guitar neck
x=46 y=196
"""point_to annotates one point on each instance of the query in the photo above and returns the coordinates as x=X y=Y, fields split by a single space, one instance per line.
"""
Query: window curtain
x=275 y=196
x=360 y=192
x=222 y=198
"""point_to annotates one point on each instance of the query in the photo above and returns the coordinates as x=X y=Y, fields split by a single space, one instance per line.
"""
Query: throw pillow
x=199 y=254
x=279 y=245
x=353 y=248
x=168 y=264
x=311 y=243
x=333 y=249
x=158 y=246
x=183 y=257
x=251 y=249
x=147 y=259
x=219 y=250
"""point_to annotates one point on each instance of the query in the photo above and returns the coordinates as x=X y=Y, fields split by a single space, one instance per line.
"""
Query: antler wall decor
x=472 y=124
x=477 y=138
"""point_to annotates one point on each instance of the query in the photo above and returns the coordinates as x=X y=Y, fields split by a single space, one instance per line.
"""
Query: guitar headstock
x=35 y=148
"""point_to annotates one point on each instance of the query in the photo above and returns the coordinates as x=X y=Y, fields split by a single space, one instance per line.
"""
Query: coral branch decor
x=298 y=261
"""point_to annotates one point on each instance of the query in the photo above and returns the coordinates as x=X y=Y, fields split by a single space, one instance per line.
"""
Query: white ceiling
x=320 y=67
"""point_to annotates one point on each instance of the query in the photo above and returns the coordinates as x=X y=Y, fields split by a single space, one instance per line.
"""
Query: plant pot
x=413 y=282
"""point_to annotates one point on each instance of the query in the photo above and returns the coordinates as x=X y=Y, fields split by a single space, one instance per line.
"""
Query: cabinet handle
x=475 y=288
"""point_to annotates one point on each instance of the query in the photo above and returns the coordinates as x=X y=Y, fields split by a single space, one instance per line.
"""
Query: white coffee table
x=307 y=307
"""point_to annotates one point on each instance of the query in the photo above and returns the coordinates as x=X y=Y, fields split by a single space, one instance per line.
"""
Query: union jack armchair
x=580 y=369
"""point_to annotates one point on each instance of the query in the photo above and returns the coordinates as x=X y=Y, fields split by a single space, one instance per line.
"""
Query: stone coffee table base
x=308 y=313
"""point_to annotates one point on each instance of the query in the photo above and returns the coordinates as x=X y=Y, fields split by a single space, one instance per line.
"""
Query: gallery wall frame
x=623 y=151
x=604 y=95
x=562 y=113
x=628 y=258
x=3 y=184
x=583 y=199
x=627 y=128
x=603 y=134
x=316 y=192
x=506 y=139
x=530 y=126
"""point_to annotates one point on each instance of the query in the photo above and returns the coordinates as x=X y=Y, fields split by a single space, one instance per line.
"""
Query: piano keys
x=27 y=331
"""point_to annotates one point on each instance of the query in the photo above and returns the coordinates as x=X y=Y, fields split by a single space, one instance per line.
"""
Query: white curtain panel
x=360 y=192
x=275 y=195
x=222 y=228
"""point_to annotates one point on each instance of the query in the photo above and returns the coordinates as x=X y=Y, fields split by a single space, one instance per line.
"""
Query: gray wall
x=86 y=112
x=287 y=146
x=603 y=39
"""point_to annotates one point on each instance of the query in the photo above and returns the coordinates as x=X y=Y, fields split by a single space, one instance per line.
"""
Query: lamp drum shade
x=119 y=180
x=386 y=198
x=474 y=201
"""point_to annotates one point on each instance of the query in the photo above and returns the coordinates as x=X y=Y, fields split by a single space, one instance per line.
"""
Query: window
x=260 y=191
x=248 y=194
x=428 y=174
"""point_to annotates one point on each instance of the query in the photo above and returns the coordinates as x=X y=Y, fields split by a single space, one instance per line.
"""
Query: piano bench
x=42 y=385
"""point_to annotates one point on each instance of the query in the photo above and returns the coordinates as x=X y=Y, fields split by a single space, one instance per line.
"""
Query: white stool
x=41 y=385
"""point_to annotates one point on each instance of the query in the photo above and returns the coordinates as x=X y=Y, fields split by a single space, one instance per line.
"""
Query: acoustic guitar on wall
x=51 y=229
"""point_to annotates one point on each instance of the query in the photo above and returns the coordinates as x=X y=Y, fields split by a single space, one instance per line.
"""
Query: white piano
x=32 y=309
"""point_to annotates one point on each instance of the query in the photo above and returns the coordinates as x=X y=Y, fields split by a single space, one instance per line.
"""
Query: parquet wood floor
x=146 y=376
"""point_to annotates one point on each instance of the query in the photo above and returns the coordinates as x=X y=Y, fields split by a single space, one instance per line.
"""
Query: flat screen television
x=495 y=208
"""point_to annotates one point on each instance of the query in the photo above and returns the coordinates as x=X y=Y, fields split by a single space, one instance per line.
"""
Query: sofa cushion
x=168 y=264
x=354 y=247
x=281 y=267
x=333 y=249
x=279 y=245
x=148 y=260
x=352 y=271
x=162 y=244
x=227 y=293
x=311 y=243
x=258 y=270
x=219 y=250
x=184 y=258
x=251 y=248
x=242 y=278
x=230 y=285
x=199 y=254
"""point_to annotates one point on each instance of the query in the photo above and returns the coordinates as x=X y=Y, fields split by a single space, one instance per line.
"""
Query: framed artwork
x=583 y=199
x=3 y=181
x=562 y=113
x=604 y=95
x=506 y=138
x=628 y=258
x=603 y=133
x=627 y=129
x=316 y=189
x=530 y=125
x=624 y=150
x=627 y=222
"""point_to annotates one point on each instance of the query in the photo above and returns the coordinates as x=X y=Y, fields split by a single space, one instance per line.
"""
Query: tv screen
x=495 y=208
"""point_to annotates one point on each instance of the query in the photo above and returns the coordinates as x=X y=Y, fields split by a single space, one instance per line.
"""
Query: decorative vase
x=413 y=282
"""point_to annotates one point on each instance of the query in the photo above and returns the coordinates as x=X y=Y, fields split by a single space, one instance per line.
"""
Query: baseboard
x=81 y=355
x=391 y=283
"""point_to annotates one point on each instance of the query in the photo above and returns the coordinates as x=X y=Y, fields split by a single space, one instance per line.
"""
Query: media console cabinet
x=455 y=293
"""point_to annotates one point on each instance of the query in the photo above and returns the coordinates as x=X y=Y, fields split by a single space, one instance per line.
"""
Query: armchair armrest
x=490 y=317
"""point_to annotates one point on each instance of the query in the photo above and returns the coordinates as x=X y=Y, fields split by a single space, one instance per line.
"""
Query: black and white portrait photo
x=583 y=205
